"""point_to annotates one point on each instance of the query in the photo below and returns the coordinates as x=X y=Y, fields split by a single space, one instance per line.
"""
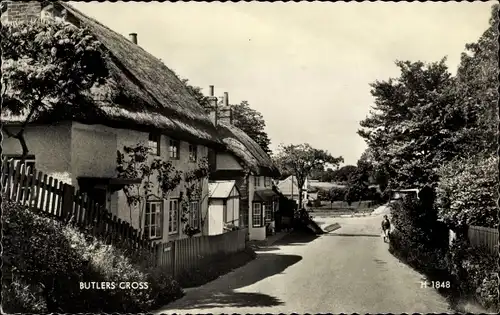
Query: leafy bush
x=476 y=272
x=467 y=192
x=419 y=239
x=47 y=260
x=337 y=193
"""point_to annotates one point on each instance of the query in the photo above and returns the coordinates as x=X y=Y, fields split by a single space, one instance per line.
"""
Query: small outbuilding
x=223 y=206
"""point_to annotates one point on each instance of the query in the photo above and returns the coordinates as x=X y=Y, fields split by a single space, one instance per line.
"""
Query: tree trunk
x=300 y=198
x=20 y=137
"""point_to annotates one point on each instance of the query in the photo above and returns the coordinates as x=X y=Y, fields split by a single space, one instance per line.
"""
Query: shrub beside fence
x=484 y=237
x=42 y=193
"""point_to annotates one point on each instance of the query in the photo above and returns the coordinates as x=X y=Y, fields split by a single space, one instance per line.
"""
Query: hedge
x=47 y=260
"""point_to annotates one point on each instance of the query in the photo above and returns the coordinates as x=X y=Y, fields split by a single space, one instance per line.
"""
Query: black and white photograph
x=250 y=157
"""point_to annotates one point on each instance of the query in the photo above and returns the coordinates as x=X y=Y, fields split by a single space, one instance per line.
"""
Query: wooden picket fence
x=42 y=193
x=184 y=254
x=484 y=237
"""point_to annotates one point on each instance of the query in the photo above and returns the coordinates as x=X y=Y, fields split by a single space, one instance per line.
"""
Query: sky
x=305 y=66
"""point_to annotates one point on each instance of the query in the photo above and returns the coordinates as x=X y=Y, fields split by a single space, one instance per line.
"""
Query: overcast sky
x=305 y=66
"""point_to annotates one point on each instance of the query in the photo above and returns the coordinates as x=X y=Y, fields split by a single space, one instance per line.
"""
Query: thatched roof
x=247 y=150
x=146 y=93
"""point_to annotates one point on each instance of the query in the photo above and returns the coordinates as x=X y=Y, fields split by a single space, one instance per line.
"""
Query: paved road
x=348 y=270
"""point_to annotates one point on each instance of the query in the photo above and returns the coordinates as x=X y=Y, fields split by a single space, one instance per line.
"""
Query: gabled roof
x=145 y=92
x=221 y=189
x=287 y=186
x=247 y=150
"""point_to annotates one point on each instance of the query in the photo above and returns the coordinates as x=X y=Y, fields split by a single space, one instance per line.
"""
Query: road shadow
x=296 y=239
x=221 y=292
x=353 y=235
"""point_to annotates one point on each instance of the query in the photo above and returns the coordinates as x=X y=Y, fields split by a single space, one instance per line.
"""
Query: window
x=256 y=181
x=257 y=215
x=193 y=152
x=174 y=149
x=154 y=143
x=194 y=214
x=267 y=181
x=268 y=212
x=153 y=220
x=173 y=223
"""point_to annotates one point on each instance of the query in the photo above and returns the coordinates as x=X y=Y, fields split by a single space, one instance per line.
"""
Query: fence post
x=67 y=200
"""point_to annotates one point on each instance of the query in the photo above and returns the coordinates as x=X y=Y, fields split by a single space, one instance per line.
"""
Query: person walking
x=386 y=227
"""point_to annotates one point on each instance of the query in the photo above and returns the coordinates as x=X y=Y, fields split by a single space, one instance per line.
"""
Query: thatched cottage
x=252 y=169
x=150 y=106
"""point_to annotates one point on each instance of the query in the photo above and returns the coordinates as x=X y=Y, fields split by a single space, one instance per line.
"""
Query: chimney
x=133 y=37
x=227 y=117
x=213 y=102
x=17 y=11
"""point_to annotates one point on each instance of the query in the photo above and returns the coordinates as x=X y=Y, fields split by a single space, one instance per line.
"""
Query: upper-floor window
x=154 y=143
x=193 y=152
x=153 y=220
x=256 y=181
x=267 y=181
x=174 y=149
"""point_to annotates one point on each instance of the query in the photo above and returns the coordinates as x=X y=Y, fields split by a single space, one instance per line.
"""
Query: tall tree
x=413 y=120
x=244 y=117
x=343 y=174
x=477 y=92
x=48 y=68
x=302 y=159
x=252 y=123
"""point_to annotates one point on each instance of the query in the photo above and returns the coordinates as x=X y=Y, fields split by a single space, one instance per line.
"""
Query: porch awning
x=264 y=195
x=111 y=183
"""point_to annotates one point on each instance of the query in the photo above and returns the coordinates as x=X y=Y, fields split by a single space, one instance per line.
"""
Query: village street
x=347 y=270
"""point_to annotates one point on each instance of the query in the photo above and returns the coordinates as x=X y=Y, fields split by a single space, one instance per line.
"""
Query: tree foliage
x=428 y=127
x=413 y=121
x=301 y=160
x=343 y=174
x=48 y=68
x=468 y=191
x=252 y=123
x=135 y=163
x=193 y=192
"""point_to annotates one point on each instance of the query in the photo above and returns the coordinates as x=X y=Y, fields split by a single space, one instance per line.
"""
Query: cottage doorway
x=99 y=196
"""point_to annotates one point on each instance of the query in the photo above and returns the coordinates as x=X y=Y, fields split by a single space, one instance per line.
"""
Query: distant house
x=223 y=207
x=152 y=106
x=401 y=193
x=245 y=162
x=290 y=189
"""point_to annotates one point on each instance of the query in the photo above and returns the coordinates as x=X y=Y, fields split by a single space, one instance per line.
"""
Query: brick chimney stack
x=226 y=115
x=133 y=37
x=214 y=112
x=18 y=11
